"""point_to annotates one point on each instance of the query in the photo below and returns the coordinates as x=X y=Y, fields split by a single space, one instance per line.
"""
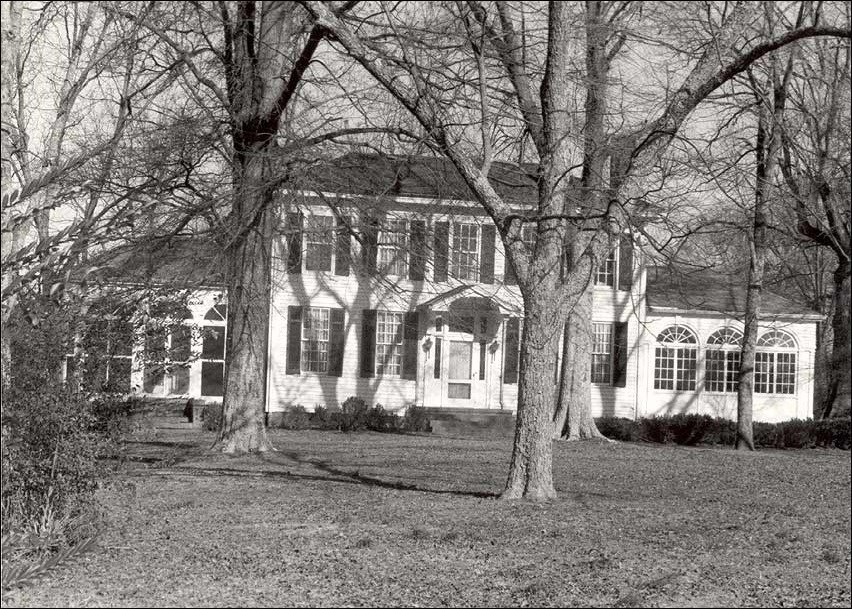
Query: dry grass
x=370 y=519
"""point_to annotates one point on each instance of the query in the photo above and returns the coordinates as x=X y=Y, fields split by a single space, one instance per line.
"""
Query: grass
x=375 y=519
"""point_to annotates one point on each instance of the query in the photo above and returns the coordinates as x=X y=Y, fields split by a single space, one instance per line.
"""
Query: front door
x=465 y=360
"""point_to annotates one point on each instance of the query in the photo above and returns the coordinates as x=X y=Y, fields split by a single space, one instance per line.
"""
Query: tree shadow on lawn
x=333 y=474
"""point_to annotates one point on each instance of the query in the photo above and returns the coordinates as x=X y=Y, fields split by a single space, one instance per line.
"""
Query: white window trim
x=455 y=254
x=379 y=365
x=306 y=312
x=611 y=347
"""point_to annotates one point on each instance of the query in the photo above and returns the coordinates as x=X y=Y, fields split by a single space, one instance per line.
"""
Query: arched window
x=723 y=360
x=213 y=351
x=675 y=359
x=775 y=363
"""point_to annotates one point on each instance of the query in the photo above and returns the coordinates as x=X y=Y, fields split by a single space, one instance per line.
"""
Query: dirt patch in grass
x=373 y=519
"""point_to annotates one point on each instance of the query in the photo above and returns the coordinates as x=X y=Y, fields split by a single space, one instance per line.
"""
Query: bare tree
x=549 y=287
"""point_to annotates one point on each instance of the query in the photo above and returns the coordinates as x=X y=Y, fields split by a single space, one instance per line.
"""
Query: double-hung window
x=319 y=243
x=775 y=363
x=389 y=327
x=722 y=363
x=602 y=353
x=606 y=272
x=675 y=359
x=316 y=330
x=393 y=248
x=466 y=252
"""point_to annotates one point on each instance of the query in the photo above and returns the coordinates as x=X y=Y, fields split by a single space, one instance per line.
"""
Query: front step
x=471 y=422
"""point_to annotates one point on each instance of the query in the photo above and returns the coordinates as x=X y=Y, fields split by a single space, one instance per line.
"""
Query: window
x=723 y=361
x=107 y=351
x=602 y=353
x=389 y=343
x=319 y=240
x=393 y=248
x=606 y=271
x=775 y=363
x=466 y=252
x=213 y=351
x=168 y=341
x=675 y=359
x=316 y=330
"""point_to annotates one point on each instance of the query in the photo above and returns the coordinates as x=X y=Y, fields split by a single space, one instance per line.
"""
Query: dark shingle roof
x=703 y=290
x=417 y=176
x=179 y=261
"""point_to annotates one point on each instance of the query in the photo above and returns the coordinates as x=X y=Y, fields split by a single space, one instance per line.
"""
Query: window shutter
x=368 y=343
x=336 y=340
x=442 y=249
x=619 y=355
x=486 y=254
x=625 y=266
x=343 y=249
x=293 y=228
x=294 y=340
x=370 y=244
x=437 y=371
x=409 y=346
x=417 y=252
x=510 y=365
x=509 y=277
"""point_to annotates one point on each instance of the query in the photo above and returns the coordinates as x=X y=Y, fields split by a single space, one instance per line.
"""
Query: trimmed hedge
x=693 y=429
x=354 y=415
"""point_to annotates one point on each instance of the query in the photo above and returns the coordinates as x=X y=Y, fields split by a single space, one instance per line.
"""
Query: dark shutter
x=409 y=346
x=293 y=228
x=442 y=250
x=510 y=365
x=509 y=277
x=619 y=356
x=343 y=250
x=418 y=251
x=294 y=340
x=625 y=265
x=368 y=343
x=336 y=340
x=486 y=254
x=437 y=358
x=370 y=244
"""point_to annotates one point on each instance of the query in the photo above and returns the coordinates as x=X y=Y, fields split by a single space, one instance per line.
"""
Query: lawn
x=376 y=519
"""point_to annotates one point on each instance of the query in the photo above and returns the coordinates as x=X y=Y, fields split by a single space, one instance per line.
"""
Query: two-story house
x=389 y=283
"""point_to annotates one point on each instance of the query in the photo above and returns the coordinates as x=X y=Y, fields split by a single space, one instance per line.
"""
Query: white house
x=390 y=283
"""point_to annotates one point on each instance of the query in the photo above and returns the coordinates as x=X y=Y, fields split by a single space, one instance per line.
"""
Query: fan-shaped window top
x=726 y=337
x=776 y=339
x=677 y=335
x=217 y=313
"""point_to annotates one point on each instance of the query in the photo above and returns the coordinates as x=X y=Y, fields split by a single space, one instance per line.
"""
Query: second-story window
x=466 y=252
x=606 y=271
x=393 y=248
x=319 y=242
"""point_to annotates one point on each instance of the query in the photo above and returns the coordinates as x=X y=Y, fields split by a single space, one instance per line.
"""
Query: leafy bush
x=691 y=429
x=416 y=420
x=211 y=417
x=51 y=445
x=354 y=414
x=324 y=418
x=655 y=429
x=618 y=428
x=296 y=418
x=378 y=419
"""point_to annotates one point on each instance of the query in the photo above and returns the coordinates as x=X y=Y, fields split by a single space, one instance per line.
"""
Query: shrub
x=378 y=419
x=51 y=446
x=691 y=429
x=618 y=428
x=416 y=420
x=655 y=429
x=325 y=418
x=211 y=417
x=296 y=418
x=353 y=416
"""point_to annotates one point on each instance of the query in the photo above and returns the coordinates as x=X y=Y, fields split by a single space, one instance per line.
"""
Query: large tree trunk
x=839 y=396
x=531 y=468
x=573 y=418
x=249 y=264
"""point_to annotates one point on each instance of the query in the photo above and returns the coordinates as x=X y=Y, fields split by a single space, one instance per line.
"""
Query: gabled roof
x=670 y=288
x=182 y=262
x=415 y=176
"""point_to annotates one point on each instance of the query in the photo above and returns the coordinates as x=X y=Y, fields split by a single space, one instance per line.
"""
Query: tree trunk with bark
x=839 y=398
x=573 y=419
